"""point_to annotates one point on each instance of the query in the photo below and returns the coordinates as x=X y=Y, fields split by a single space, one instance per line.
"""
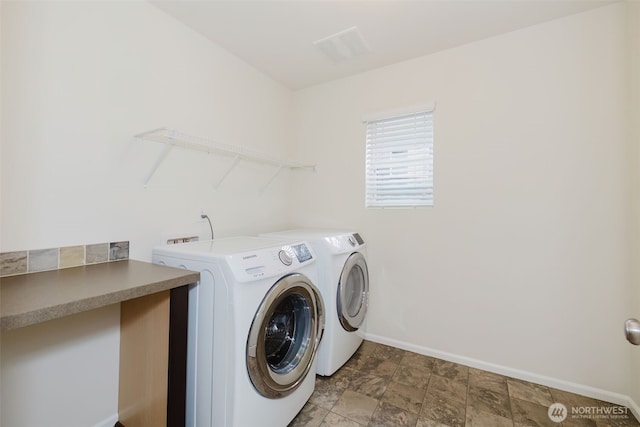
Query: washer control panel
x=267 y=262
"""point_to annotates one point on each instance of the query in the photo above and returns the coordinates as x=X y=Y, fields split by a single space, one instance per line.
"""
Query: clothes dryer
x=343 y=280
x=255 y=322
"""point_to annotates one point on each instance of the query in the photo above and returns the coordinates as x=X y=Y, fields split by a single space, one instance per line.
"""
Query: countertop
x=33 y=298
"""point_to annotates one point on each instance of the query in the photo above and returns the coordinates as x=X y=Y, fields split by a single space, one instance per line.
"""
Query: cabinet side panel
x=144 y=354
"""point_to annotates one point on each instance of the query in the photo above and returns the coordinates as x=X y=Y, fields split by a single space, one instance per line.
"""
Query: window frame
x=381 y=147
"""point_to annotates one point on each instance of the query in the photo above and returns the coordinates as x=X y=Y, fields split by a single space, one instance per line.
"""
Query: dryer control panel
x=344 y=243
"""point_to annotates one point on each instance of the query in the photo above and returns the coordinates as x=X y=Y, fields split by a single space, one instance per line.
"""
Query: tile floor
x=386 y=386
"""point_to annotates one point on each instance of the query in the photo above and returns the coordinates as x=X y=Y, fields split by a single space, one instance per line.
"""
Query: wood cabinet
x=153 y=364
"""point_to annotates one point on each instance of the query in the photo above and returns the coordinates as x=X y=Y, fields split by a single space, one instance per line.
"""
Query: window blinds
x=399 y=160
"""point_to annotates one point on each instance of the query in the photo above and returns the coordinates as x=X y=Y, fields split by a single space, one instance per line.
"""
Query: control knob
x=352 y=240
x=284 y=258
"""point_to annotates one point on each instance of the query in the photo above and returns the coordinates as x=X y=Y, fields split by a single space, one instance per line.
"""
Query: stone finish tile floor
x=383 y=386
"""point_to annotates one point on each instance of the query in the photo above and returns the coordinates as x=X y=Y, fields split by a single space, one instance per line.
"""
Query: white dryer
x=255 y=321
x=343 y=280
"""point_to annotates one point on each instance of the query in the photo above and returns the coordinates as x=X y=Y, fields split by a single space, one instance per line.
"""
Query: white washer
x=343 y=280
x=255 y=322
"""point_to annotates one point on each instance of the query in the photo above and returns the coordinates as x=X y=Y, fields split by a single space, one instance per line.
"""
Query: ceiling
x=277 y=37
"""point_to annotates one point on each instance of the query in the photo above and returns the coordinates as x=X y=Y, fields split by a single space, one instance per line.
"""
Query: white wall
x=523 y=264
x=62 y=372
x=633 y=36
x=0 y=189
x=79 y=79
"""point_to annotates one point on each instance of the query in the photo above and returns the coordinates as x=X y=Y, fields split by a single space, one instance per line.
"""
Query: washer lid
x=219 y=247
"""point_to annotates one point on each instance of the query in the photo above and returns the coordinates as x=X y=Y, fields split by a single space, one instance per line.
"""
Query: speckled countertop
x=33 y=298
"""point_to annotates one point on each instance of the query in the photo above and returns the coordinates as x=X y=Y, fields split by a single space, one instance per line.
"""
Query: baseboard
x=635 y=408
x=607 y=396
x=109 y=422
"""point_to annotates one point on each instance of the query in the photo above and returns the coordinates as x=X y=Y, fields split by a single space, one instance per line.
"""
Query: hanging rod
x=171 y=138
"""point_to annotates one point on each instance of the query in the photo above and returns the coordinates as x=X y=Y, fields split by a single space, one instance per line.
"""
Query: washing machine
x=256 y=319
x=343 y=280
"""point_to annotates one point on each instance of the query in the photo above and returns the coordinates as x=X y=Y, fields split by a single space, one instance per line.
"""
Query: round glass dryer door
x=284 y=336
x=353 y=292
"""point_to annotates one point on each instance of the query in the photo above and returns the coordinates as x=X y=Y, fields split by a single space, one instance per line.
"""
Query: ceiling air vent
x=343 y=45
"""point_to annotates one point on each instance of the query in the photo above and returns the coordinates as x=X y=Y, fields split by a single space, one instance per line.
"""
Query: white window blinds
x=399 y=160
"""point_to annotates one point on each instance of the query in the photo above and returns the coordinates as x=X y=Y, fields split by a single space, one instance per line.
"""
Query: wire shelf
x=172 y=138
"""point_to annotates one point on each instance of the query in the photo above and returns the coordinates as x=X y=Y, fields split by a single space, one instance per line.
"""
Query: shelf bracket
x=167 y=147
x=229 y=169
x=271 y=179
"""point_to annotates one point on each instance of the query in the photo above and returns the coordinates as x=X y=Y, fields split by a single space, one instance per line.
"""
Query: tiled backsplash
x=35 y=260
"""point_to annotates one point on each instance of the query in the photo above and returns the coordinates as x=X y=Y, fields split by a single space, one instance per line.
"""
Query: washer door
x=353 y=292
x=284 y=336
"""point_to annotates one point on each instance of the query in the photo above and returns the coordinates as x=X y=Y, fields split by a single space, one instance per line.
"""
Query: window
x=399 y=159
